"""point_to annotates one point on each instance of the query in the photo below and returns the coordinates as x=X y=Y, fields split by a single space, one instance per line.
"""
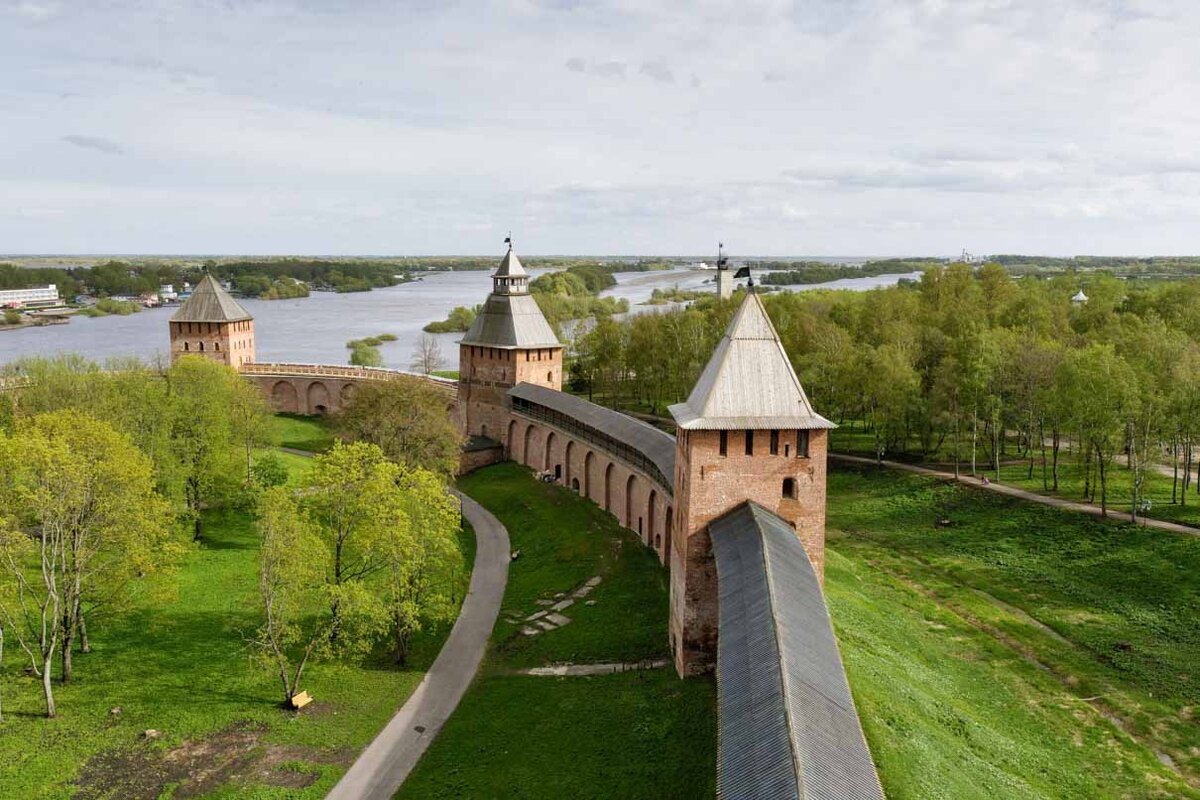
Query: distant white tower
x=1079 y=297
x=724 y=276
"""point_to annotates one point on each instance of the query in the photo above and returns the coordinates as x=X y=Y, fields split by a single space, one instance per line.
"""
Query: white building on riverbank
x=37 y=297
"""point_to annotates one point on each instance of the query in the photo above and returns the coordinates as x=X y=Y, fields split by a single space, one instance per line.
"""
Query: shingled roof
x=749 y=382
x=210 y=303
x=787 y=728
x=510 y=317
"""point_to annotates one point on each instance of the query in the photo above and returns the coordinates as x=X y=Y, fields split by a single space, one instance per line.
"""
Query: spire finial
x=508 y=241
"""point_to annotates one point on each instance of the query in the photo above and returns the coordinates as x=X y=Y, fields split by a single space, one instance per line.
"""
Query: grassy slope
x=629 y=735
x=178 y=664
x=303 y=433
x=943 y=631
x=1070 y=476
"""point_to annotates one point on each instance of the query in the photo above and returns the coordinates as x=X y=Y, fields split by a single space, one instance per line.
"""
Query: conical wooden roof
x=749 y=383
x=210 y=303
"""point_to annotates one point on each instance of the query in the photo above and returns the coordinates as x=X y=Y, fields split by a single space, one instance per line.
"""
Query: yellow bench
x=300 y=700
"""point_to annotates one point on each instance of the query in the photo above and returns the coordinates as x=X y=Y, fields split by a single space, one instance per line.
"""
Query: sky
x=849 y=127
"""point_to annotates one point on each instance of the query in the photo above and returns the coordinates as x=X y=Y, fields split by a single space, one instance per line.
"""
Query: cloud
x=603 y=69
x=95 y=143
x=36 y=11
x=847 y=127
x=658 y=71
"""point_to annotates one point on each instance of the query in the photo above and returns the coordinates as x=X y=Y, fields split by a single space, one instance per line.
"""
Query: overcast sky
x=848 y=127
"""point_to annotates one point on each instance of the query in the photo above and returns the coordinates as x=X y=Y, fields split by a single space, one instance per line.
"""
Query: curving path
x=386 y=762
x=1085 y=508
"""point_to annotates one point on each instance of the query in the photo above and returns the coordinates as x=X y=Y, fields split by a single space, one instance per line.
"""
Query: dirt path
x=387 y=761
x=1083 y=508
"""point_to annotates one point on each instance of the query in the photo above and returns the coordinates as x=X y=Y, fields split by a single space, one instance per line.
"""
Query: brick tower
x=746 y=433
x=510 y=342
x=212 y=324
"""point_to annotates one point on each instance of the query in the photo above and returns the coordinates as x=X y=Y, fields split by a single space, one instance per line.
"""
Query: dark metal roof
x=787 y=727
x=210 y=303
x=657 y=447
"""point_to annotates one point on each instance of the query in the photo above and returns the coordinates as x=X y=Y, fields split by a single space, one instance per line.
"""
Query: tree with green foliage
x=350 y=496
x=1100 y=389
x=293 y=563
x=97 y=522
x=363 y=354
x=423 y=559
x=269 y=471
x=407 y=418
x=205 y=438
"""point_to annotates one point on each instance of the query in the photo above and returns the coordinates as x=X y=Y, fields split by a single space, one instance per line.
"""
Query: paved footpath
x=999 y=488
x=386 y=762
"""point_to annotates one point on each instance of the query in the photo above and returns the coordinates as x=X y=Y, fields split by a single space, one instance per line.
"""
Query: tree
x=408 y=419
x=350 y=495
x=90 y=498
x=427 y=355
x=365 y=355
x=293 y=563
x=204 y=437
x=269 y=471
x=253 y=420
x=423 y=559
x=1100 y=389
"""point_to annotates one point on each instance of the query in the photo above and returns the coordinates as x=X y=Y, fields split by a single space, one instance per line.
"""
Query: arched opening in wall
x=511 y=441
x=202 y=347
x=789 y=487
x=186 y=348
x=550 y=437
x=549 y=377
x=669 y=531
x=589 y=464
x=217 y=346
x=608 y=475
x=569 y=459
x=651 y=534
x=483 y=430
x=575 y=484
x=527 y=447
x=630 y=487
x=347 y=394
x=318 y=398
x=283 y=397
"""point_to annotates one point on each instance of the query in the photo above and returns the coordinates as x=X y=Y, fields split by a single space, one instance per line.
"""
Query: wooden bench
x=299 y=701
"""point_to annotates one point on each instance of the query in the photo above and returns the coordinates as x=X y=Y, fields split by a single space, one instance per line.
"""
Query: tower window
x=202 y=347
x=724 y=445
x=801 y=444
x=185 y=347
x=218 y=346
x=749 y=443
x=774 y=443
x=549 y=377
x=789 y=487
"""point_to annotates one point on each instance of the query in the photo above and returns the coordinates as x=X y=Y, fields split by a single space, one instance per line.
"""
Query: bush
x=269 y=471
x=12 y=316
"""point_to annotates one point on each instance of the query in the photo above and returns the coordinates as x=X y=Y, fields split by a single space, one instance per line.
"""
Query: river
x=315 y=329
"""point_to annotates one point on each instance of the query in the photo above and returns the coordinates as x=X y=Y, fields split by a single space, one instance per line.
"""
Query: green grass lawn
x=1015 y=472
x=1020 y=652
x=178 y=664
x=637 y=734
x=303 y=433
